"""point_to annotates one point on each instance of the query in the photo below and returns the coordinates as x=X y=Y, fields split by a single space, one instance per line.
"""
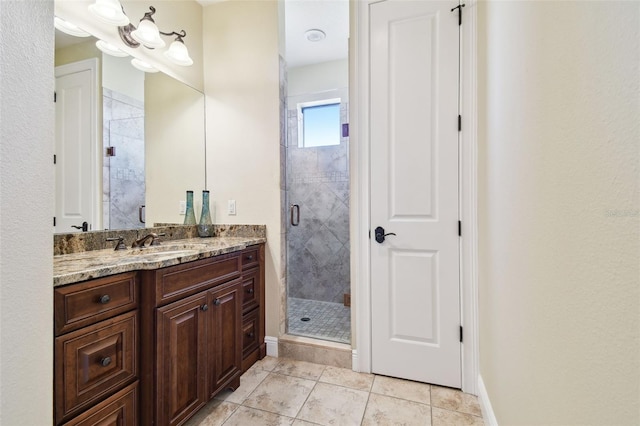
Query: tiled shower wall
x=123 y=174
x=318 y=249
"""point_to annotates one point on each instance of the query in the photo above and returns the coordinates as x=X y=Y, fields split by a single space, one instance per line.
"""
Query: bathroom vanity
x=148 y=337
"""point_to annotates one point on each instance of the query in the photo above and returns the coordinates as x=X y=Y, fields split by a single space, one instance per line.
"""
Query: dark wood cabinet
x=96 y=349
x=153 y=347
x=118 y=410
x=253 y=305
x=181 y=359
x=192 y=318
x=225 y=338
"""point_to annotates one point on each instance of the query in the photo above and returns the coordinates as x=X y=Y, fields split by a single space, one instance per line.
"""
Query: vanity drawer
x=82 y=304
x=176 y=282
x=250 y=289
x=93 y=362
x=251 y=257
x=250 y=335
x=121 y=409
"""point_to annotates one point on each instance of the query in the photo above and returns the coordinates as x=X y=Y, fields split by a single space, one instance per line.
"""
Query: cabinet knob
x=104 y=299
x=217 y=302
x=250 y=290
x=105 y=361
x=250 y=334
x=250 y=257
x=205 y=307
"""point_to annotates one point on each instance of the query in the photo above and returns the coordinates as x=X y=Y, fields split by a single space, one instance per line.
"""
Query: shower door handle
x=294 y=208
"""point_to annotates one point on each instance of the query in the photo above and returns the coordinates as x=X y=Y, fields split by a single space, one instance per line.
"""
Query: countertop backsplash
x=77 y=242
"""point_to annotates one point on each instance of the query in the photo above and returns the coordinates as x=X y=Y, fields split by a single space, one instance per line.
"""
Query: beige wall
x=243 y=130
x=26 y=205
x=171 y=15
x=318 y=78
x=174 y=147
x=559 y=211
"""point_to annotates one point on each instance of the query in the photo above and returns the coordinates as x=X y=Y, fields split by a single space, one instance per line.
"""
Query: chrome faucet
x=150 y=236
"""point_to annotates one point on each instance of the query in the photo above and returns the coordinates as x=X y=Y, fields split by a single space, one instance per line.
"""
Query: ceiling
x=330 y=16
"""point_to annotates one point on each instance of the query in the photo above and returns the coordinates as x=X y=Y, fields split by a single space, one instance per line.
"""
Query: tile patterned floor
x=327 y=320
x=277 y=391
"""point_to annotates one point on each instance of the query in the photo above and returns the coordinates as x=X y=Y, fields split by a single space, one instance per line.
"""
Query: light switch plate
x=232 y=208
x=182 y=207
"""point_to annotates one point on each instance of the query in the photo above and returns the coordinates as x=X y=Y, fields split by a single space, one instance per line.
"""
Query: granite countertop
x=76 y=267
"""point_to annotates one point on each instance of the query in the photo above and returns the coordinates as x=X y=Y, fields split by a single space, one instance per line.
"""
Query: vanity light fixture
x=315 y=35
x=110 y=12
x=110 y=49
x=69 y=28
x=142 y=65
x=147 y=34
x=177 y=52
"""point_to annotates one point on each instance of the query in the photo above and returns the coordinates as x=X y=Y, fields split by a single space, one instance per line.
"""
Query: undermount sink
x=171 y=249
x=163 y=254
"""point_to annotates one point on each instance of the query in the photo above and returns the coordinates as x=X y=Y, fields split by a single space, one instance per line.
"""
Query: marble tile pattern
x=318 y=249
x=279 y=391
x=327 y=320
x=123 y=174
x=76 y=267
x=96 y=240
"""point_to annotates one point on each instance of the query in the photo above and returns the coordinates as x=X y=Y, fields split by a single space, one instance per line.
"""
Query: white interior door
x=75 y=146
x=415 y=291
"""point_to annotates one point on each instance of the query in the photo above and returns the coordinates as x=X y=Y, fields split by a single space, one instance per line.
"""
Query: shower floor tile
x=327 y=320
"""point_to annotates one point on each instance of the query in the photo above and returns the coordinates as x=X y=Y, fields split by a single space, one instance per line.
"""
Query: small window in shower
x=319 y=123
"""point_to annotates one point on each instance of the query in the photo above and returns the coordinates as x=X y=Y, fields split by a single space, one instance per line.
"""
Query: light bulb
x=178 y=54
x=110 y=12
x=147 y=33
x=142 y=65
x=110 y=49
x=69 y=28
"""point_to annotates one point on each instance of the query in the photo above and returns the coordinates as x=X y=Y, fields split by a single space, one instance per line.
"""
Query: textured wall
x=559 y=211
x=26 y=206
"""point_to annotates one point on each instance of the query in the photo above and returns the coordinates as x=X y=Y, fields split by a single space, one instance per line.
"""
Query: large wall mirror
x=128 y=143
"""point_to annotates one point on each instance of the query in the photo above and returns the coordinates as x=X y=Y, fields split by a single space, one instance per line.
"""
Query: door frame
x=96 y=138
x=360 y=189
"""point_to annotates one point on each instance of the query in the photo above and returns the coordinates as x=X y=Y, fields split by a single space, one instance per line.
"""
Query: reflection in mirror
x=148 y=148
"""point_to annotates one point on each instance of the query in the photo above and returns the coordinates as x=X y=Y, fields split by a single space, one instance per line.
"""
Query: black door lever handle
x=380 y=235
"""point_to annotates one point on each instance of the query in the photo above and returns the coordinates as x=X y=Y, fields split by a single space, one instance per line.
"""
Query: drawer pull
x=105 y=361
x=250 y=257
x=104 y=299
x=250 y=290
x=217 y=302
x=204 y=307
x=250 y=334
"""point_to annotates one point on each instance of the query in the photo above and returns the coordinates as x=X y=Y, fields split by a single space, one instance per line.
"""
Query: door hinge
x=459 y=7
x=459 y=123
x=459 y=228
x=369 y=233
x=460 y=334
x=54 y=221
x=55 y=97
x=54 y=159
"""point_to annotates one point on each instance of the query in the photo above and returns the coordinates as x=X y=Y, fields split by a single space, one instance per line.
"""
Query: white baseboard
x=272 y=346
x=354 y=360
x=488 y=415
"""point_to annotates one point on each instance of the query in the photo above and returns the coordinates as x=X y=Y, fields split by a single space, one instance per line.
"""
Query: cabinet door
x=225 y=335
x=181 y=359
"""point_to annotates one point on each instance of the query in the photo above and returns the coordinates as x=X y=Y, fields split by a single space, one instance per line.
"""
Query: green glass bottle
x=205 y=227
x=190 y=215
